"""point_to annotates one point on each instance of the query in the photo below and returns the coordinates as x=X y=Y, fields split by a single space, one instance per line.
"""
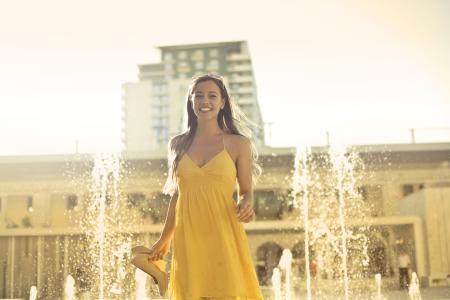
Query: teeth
x=205 y=109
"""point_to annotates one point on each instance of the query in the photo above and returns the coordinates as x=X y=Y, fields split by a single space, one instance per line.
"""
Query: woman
x=211 y=257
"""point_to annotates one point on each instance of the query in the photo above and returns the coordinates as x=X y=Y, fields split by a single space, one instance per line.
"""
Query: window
x=213 y=65
x=213 y=53
x=168 y=56
x=197 y=55
x=159 y=88
x=183 y=67
x=363 y=192
x=410 y=188
x=182 y=55
x=168 y=67
x=72 y=202
x=407 y=189
x=199 y=65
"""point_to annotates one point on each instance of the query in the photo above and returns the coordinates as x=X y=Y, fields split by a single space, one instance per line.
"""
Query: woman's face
x=206 y=100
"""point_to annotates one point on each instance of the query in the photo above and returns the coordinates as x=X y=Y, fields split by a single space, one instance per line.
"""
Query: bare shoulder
x=237 y=140
x=237 y=144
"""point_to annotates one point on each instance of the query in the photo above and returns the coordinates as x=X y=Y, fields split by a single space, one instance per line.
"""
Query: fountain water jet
x=300 y=185
x=69 y=288
x=378 y=285
x=33 y=293
x=324 y=188
x=285 y=264
x=414 y=288
x=141 y=280
x=107 y=229
x=276 y=283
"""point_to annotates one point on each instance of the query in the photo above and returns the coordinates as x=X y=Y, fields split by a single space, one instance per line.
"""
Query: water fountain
x=414 y=288
x=324 y=190
x=69 y=288
x=276 y=283
x=285 y=265
x=300 y=186
x=106 y=243
x=141 y=279
x=33 y=293
x=378 y=286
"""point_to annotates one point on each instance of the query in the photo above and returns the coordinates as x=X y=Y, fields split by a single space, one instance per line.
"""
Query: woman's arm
x=169 y=225
x=161 y=247
x=245 y=211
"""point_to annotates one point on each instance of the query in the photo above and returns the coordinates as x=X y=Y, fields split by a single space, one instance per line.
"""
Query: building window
x=182 y=55
x=213 y=65
x=72 y=202
x=199 y=65
x=168 y=56
x=197 y=55
x=168 y=67
x=162 y=99
x=159 y=88
x=183 y=67
x=363 y=192
x=408 y=189
x=213 y=52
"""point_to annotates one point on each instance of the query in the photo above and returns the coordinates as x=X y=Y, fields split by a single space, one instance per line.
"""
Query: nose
x=203 y=100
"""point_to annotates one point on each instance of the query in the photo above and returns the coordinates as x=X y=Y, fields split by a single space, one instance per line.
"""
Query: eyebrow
x=200 y=92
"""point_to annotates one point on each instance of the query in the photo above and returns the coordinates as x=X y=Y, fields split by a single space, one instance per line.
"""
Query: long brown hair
x=230 y=119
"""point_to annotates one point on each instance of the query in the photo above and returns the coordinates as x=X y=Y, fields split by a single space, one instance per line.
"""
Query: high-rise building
x=154 y=107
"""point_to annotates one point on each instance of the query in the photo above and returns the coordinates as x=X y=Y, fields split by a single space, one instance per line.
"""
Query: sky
x=364 y=71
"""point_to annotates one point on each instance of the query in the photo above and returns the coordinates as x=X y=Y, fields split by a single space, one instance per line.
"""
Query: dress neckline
x=211 y=159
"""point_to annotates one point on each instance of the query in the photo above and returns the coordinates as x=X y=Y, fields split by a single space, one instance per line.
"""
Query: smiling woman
x=211 y=256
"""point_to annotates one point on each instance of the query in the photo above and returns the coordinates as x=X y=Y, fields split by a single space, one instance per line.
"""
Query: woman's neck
x=208 y=128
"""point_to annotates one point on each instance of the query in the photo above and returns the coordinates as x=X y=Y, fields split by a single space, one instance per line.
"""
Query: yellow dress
x=211 y=256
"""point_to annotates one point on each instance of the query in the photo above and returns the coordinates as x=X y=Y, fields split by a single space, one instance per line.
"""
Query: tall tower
x=154 y=107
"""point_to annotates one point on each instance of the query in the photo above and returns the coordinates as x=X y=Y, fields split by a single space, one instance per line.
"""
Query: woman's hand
x=244 y=211
x=159 y=250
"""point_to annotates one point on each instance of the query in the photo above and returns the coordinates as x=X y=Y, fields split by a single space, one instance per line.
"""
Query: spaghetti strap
x=223 y=140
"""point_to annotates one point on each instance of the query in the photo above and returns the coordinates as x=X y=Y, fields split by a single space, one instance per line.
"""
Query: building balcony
x=239 y=68
x=240 y=79
x=245 y=101
x=149 y=75
x=244 y=90
x=238 y=57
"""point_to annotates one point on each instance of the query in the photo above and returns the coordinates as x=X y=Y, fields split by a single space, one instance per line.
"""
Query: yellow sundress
x=210 y=252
